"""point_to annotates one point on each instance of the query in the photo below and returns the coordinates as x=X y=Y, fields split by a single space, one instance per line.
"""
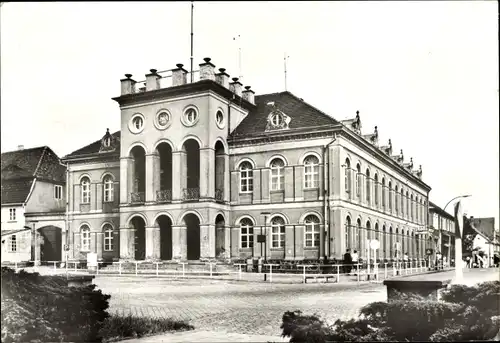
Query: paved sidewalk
x=206 y=336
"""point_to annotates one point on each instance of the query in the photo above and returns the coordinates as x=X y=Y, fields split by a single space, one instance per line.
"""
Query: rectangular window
x=58 y=192
x=13 y=243
x=246 y=181
x=108 y=191
x=12 y=214
x=311 y=175
x=108 y=240
x=246 y=236
x=312 y=235
x=278 y=236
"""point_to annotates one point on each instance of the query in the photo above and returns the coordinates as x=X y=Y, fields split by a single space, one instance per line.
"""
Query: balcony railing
x=190 y=194
x=164 y=195
x=137 y=197
x=219 y=195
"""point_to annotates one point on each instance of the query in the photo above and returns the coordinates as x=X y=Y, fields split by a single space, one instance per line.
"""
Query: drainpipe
x=67 y=214
x=326 y=197
x=229 y=176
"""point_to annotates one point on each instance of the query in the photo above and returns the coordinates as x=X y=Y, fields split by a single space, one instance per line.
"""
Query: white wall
x=23 y=244
x=7 y=224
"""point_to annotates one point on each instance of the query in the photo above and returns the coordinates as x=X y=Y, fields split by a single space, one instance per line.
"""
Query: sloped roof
x=302 y=114
x=10 y=232
x=94 y=147
x=484 y=226
x=20 y=167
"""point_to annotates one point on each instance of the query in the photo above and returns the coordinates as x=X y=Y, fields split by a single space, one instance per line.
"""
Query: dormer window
x=137 y=122
x=107 y=142
x=277 y=119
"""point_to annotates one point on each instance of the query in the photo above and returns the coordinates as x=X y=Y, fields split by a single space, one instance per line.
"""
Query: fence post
x=385 y=270
x=393 y=269
x=135 y=268
x=338 y=273
x=239 y=272
x=120 y=268
x=210 y=269
x=304 y=271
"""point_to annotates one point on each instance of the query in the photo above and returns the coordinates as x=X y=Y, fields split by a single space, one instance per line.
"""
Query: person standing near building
x=405 y=260
x=347 y=261
x=355 y=259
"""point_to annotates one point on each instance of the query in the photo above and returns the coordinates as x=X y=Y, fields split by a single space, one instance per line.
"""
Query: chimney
x=235 y=86
x=248 y=95
x=222 y=78
x=128 y=84
x=152 y=80
x=179 y=75
x=20 y=147
x=207 y=70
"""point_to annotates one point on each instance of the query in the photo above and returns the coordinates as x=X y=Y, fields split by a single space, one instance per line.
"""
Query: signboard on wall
x=261 y=238
x=91 y=259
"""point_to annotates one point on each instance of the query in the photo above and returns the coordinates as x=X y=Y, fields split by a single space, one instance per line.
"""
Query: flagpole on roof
x=192 y=10
x=285 y=59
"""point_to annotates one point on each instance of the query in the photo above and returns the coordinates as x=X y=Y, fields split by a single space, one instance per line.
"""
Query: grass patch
x=117 y=328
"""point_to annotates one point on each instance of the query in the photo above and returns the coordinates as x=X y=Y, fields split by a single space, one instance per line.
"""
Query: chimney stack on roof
x=128 y=84
x=235 y=86
x=152 y=80
x=207 y=70
x=249 y=95
x=179 y=75
x=222 y=78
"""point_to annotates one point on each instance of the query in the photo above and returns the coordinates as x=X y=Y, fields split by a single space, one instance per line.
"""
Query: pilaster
x=178 y=179
x=127 y=246
x=152 y=243
x=207 y=241
x=179 y=242
x=152 y=175
x=125 y=177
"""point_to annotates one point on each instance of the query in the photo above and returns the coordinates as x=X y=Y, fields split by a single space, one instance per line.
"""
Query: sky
x=425 y=73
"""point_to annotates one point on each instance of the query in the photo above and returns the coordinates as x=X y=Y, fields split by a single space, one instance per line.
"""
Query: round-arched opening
x=138 y=174
x=163 y=167
x=219 y=171
x=165 y=224
x=192 y=223
x=348 y=233
x=191 y=159
x=220 y=236
x=139 y=226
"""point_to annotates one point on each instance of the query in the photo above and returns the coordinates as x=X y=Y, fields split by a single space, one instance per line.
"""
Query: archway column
x=207 y=168
x=127 y=251
x=207 y=241
x=179 y=242
x=152 y=176
x=152 y=243
x=178 y=178
x=125 y=179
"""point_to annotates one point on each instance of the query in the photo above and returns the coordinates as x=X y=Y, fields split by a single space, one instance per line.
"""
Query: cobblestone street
x=235 y=307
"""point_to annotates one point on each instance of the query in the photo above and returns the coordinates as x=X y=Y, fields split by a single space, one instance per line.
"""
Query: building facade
x=33 y=187
x=207 y=169
x=442 y=224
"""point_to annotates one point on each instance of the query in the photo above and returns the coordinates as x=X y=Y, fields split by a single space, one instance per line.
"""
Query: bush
x=38 y=308
x=118 y=327
x=465 y=313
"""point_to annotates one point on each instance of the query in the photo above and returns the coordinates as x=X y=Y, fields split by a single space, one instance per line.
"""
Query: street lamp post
x=458 y=237
x=265 y=214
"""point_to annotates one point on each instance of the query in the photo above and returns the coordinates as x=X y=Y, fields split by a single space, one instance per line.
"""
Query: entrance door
x=50 y=250
x=193 y=236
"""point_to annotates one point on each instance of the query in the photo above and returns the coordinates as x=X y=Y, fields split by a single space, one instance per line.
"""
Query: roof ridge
x=40 y=160
x=18 y=150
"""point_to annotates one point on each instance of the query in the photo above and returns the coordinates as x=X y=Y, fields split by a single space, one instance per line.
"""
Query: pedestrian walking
x=355 y=258
x=347 y=261
x=405 y=260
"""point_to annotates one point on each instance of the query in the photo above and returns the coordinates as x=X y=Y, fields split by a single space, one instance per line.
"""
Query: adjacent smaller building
x=487 y=239
x=442 y=225
x=33 y=203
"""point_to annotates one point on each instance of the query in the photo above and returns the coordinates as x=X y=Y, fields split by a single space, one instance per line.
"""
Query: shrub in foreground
x=464 y=313
x=120 y=327
x=38 y=308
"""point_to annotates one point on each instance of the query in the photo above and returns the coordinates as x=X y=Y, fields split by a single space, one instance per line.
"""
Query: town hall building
x=204 y=168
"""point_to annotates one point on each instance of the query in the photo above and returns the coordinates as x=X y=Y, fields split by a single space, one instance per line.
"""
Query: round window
x=190 y=116
x=219 y=119
x=136 y=123
x=162 y=120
